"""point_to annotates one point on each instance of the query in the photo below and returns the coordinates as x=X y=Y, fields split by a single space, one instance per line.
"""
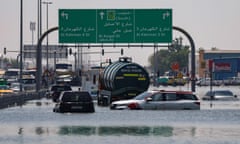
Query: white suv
x=160 y=100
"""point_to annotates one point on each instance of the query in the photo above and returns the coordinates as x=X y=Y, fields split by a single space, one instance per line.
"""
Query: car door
x=154 y=102
x=171 y=102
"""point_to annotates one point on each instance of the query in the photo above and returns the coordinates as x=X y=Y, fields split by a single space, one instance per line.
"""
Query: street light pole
x=47 y=3
x=21 y=43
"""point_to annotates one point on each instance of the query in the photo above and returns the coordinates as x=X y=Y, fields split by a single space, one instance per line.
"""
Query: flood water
x=36 y=123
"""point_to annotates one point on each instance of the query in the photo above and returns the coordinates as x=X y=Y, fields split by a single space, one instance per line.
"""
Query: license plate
x=77 y=107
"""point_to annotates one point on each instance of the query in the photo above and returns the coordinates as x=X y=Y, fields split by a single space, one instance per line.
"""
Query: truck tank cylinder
x=122 y=74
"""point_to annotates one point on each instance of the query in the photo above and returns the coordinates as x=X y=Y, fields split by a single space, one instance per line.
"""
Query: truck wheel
x=99 y=102
x=105 y=102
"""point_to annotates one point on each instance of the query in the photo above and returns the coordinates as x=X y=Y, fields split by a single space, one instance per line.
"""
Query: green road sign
x=115 y=26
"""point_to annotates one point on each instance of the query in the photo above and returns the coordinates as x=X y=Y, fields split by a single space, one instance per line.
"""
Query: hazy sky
x=211 y=23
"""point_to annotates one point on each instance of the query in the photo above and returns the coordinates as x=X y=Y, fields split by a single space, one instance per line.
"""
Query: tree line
x=163 y=59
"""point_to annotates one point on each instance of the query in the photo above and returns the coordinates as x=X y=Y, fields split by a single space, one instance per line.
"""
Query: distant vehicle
x=74 y=101
x=15 y=87
x=232 y=81
x=56 y=90
x=3 y=81
x=162 y=80
x=11 y=75
x=2 y=73
x=28 y=82
x=5 y=89
x=160 y=100
x=76 y=81
x=64 y=79
x=219 y=95
x=176 y=81
x=63 y=68
x=31 y=72
x=207 y=82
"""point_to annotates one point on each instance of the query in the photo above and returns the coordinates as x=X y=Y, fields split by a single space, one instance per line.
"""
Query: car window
x=158 y=97
x=187 y=97
x=171 y=96
x=142 y=95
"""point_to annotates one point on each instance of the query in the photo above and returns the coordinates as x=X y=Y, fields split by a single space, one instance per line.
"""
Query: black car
x=74 y=101
x=57 y=89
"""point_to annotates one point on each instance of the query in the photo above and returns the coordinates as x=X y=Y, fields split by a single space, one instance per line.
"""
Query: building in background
x=225 y=63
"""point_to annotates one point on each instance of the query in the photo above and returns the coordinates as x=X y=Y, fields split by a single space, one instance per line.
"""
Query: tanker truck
x=121 y=80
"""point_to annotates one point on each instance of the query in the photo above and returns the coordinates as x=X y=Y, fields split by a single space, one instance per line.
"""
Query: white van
x=11 y=75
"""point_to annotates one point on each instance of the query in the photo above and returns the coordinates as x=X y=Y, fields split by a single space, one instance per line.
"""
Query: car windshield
x=28 y=81
x=143 y=95
x=4 y=87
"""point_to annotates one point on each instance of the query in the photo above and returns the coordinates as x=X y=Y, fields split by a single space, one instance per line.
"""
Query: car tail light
x=133 y=106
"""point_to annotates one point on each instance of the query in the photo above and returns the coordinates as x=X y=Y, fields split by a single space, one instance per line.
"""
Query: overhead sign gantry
x=115 y=25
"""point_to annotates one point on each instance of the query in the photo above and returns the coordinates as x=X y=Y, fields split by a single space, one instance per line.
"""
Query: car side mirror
x=57 y=100
x=148 y=99
x=235 y=96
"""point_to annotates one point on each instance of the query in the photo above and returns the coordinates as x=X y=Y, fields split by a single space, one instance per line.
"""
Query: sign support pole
x=193 y=73
x=39 y=58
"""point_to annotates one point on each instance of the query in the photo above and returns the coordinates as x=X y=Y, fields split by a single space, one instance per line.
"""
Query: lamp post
x=21 y=43
x=55 y=54
x=47 y=3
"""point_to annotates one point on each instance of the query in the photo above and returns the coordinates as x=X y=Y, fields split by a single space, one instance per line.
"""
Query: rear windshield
x=61 y=88
x=219 y=93
x=77 y=97
x=11 y=73
x=224 y=93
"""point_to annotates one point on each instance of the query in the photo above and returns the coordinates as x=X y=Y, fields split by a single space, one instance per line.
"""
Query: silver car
x=160 y=100
x=220 y=95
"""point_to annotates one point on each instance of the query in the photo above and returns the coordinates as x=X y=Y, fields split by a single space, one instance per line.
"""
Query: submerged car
x=160 y=100
x=219 y=95
x=56 y=90
x=74 y=101
x=208 y=82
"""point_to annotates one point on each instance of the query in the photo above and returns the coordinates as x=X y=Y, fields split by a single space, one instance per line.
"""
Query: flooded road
x=36 y=123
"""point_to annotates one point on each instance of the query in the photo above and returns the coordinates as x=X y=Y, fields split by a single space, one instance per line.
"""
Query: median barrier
x=19 y=99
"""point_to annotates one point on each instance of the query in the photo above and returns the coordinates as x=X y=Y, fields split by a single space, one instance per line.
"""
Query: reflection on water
x=116 y=130
x=147 y=131
x=35 y=122
x=77 y=130
x=120 y=134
